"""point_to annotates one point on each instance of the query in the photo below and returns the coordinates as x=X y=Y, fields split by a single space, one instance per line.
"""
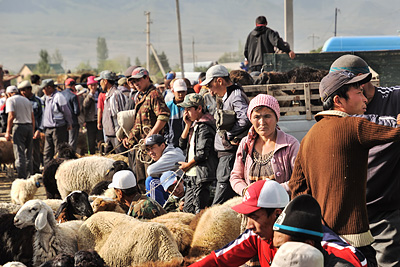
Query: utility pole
x=194 y=60
x=147 y=14
x=288 y=10
x=336 y=11
x=178 y=18
x=157 y=59
x=313 y=37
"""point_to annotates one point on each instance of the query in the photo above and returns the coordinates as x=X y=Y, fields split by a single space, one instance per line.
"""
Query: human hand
x=125 y=143
x=99 y=126
x=292 y=55
x=185 y=166
x=186 y=118
x=398 y=118
x=69 y=127
x=7 y=136
x=36 y=135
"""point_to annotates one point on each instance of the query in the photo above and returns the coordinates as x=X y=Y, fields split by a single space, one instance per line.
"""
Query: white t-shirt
x=21 y=107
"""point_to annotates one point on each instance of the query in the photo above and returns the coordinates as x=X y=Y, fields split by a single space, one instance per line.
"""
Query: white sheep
x=14 y=264
x=82 y=174
x=122 y=240
x=218 y=226
x=23 y=190
x=50 y=238
x=178 y=224
x=6 y=207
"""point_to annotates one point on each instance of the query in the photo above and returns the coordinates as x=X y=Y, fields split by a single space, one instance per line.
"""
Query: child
x=201 y=159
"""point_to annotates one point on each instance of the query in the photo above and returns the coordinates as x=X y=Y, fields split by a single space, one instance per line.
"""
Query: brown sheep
x=106 y=204
x=241 y=77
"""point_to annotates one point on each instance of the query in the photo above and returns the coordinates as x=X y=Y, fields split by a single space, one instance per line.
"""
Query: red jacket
x=239 y=251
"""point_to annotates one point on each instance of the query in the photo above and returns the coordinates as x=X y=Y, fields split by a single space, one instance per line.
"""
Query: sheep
x=65 y=151
x=106 y=204
x=241 y=77
x=7 y=156
x=14 y=264
x=15 y=244
x=142 y=242
x=8 y=208
x=75 y=203
x=81 y=258
x=49 y=238
x=23 y=190
x=218 y=226
x=82 y=174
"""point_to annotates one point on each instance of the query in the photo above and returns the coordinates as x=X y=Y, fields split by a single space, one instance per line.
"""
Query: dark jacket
x=263 y=40
x=205 y=155
x=89 y=107
x=73 y=105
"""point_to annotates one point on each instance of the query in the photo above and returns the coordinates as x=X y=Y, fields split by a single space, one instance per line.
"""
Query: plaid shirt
x=150 y=107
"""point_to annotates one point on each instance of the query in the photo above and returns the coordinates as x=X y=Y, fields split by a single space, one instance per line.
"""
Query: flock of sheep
x=34 y=231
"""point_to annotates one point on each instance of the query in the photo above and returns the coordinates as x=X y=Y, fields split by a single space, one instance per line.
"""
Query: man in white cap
x=232 y=125
x=130 y=199
x=176 y=124
x=21 y=122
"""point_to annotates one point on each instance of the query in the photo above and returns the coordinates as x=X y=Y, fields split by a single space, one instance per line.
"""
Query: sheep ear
x=41 y=219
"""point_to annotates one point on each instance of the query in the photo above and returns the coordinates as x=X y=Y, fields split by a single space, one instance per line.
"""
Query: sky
x=215 y=26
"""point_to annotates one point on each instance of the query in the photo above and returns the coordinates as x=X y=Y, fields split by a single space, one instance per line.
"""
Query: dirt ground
x=5 y=186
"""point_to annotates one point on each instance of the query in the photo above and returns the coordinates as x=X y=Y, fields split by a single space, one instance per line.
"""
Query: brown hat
x=335 y=80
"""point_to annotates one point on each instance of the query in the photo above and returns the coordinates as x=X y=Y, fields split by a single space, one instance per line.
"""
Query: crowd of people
x=191 y=147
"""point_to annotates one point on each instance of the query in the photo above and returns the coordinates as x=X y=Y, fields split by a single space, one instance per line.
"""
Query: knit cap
x=350 y=63
x=301 y=218
x=264 y=100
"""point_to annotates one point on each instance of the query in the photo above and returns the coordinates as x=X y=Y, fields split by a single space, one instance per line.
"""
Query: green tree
x=83 y=66
x=137 y=62
x=102 y=52
x=43 y=66
x=154 y=68
x=128 y=62
x=56 y=57
x=318 y=50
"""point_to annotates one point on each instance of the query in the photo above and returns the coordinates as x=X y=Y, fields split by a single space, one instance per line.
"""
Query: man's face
x=179 y=96
x=155 y=151
x=48 y=90
x=179 y=191
x=193 y=113
x=217 y=86
x=261 y=224
x=141 y=84
x=280 y=239
x=356 y=102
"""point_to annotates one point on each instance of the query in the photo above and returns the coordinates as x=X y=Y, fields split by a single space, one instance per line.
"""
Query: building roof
x=56 y=68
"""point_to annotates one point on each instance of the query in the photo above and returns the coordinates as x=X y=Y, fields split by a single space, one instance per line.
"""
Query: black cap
x=301 y=218
x=334 y=80
x=154 y=139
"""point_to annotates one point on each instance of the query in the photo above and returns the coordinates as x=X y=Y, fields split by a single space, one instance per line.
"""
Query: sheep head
x=33 y=212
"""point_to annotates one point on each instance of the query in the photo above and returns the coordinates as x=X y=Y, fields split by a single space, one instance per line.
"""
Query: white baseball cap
x=179 y=85
x=123 y=180
x=12 y=89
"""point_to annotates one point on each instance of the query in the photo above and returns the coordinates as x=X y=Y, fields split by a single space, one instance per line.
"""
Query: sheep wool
x=82 y=174
x=218 y=226
x=50 y=238
x=144 y=241
x=23 y=190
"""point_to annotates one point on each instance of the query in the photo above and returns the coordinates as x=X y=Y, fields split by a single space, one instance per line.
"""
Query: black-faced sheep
x=23 y=190
x=82 y=174
x=65 y=151
x=49 y=238
x=76 y=203
x=142 y=242
x=15 y=244
x=218 y=226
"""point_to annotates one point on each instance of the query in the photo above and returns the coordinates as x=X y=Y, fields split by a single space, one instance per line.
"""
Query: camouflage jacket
x=145 y=208
x=150 y=107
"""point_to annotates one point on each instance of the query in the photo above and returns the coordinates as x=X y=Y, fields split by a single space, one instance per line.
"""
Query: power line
x=313 y=37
